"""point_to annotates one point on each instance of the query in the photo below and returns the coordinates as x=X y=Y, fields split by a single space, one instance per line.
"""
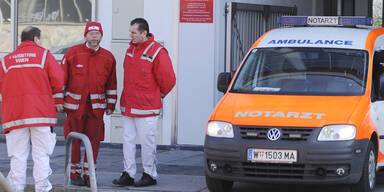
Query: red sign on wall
x=196 y=11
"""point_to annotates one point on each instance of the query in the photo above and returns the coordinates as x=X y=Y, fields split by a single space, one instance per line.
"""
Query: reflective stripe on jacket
x=31 y=82
x=148 y=74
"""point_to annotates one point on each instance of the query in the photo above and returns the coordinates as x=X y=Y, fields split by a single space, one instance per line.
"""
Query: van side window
x=377 y=75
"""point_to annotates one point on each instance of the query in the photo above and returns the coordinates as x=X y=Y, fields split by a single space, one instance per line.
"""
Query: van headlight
x=337 y=133
x=219 y=129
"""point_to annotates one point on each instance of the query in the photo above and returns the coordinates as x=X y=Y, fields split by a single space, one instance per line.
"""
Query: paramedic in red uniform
x=89 y=91
x=31 y=82
x=148 y=77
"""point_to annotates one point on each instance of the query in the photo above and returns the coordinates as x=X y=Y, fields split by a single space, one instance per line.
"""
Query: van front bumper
x=317 y=162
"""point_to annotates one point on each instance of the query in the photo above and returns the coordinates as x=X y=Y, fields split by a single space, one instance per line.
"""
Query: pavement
x=180 y=168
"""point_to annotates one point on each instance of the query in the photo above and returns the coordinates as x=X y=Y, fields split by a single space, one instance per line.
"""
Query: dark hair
x=29 y=33
x=142 y=24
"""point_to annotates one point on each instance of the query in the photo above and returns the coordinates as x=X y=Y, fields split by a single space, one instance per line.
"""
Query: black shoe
x=78 y=181
x=124 y=180
x=87 y=182
x=146 y=180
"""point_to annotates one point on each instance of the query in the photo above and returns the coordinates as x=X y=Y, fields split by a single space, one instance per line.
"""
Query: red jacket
x=31 y=81
x=89 y=73
x=148 y=76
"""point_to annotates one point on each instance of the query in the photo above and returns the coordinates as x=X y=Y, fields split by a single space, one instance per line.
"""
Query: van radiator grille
x=288 y=133
x=287 y=171
x=280 y=170
x=268 y=170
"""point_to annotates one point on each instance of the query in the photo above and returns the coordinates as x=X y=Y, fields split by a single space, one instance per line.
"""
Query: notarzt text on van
x=321 y=20
x=302 y=115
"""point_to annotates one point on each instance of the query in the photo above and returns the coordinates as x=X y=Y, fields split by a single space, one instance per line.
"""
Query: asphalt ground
x=180 y=169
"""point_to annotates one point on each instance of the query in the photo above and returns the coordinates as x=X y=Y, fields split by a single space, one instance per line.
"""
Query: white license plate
x=272 y=156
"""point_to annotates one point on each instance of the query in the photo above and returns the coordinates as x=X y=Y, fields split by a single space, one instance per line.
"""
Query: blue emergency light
x=355 y=21
x=292 y=20
x=324 y=20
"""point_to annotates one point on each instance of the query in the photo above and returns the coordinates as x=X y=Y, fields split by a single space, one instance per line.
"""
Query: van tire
x=218 y=185
x=367 y=181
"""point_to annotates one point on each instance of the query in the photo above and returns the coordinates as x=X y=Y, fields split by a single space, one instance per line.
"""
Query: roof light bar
x=324 y=20
x=355 y=21
x=292 y=20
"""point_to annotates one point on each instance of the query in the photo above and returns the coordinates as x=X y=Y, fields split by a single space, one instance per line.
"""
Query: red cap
x=93 y=26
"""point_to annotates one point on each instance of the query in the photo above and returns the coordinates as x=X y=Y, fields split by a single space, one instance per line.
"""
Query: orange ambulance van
x=305 y=106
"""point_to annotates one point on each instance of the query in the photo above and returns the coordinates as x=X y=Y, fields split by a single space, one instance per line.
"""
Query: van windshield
x=303 y=71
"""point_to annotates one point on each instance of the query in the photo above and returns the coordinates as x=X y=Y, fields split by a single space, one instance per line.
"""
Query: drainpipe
x=174 y=101
x=314 y=7
x=94 y=10
x=228 y=35
x=14 y=23
x=339 y=8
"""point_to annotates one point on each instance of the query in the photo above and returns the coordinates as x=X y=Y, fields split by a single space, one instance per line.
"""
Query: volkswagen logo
x=273 y=134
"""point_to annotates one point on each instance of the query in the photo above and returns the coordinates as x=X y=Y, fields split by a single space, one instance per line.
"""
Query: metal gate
x=244 y=24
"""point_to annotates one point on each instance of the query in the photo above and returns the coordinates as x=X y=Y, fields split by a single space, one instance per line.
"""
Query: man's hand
x=108 y=112
x=59 y=107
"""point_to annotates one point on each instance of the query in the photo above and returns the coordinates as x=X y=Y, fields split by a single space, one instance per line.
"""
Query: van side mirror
x=223 y=81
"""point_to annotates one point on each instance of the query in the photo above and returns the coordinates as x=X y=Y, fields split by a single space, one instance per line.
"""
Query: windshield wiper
x=240 y=91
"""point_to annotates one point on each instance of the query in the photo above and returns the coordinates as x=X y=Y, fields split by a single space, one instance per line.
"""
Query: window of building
x=62 y=22
x=5 y=27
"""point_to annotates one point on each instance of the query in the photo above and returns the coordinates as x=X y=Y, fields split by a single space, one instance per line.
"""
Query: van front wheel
x=218 y=185
x=368 y=178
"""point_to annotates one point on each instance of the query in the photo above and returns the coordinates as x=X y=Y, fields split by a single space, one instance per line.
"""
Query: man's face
x=93 y=38
x=137 y=36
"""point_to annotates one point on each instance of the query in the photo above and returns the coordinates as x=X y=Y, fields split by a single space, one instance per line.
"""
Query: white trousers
x=19 y=144
x=146 y=129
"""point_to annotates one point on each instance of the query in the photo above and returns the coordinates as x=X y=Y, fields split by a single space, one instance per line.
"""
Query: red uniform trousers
x=87 y=122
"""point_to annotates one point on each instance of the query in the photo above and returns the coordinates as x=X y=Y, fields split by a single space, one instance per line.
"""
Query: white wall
x=123 y=12
x=196 y=80
x=165 y=30
x=104 y=16
x=164 y=27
